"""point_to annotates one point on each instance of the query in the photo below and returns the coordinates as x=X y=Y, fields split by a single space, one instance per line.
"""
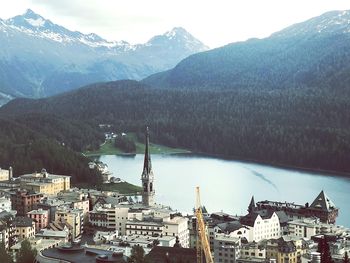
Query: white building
x=262 y=225
x=5 y=175
x=309 y=227
x=105 y=236
x=110 y=217
x=5 y=204
x=174 y=226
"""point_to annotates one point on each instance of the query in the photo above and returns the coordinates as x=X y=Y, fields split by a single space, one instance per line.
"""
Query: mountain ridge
x=302 y=55
x=47 y=58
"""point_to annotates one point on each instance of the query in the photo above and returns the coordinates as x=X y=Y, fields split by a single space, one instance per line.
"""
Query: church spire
x=147 y=177
x=147 y=165
x=251 y=206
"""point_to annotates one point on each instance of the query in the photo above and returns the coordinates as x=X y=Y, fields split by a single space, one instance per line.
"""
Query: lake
x=228 y=185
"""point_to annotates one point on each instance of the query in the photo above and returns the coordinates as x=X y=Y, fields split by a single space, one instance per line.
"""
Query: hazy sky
x=214 y=22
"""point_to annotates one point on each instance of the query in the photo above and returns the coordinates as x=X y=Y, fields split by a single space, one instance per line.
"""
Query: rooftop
x=23 y=221
x=39 y=211
x=86 y=255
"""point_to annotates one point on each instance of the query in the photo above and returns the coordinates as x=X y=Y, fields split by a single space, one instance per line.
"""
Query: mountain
x=308 y=128
x=314 y=53
x=39 y=58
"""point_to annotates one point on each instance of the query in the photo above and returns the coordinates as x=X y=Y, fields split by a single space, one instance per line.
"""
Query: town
x=68 y=224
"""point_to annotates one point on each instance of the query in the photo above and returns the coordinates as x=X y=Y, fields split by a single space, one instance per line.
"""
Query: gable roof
x=323 y=202
x=229 y=227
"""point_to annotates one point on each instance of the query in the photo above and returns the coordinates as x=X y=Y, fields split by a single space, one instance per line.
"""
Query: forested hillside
x=315 y=53
x=300 y=127
x=32 y=142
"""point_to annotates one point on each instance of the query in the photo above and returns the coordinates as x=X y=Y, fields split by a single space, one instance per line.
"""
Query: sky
x=214 y=22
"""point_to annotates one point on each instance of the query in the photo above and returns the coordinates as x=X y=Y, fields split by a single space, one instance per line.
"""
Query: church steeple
x=147 y=164
x=147 y=176
x=251 y=206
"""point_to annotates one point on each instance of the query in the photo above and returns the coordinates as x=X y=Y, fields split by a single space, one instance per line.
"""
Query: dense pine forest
x=29 y=143
x=306 y=127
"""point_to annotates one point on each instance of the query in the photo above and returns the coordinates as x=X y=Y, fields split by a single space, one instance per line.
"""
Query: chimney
x=10 y=173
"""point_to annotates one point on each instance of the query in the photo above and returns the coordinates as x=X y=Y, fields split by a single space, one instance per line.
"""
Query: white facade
x=4 y=175
x=5 y=204
x=103 y=236
x=172 y=227
x=116 y=218
x=268 y=228
x=177 y=226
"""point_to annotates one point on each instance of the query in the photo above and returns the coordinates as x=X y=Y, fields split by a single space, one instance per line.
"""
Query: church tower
x=147 y=176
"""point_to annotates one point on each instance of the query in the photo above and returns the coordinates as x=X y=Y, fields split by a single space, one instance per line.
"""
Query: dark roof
x=23 y=221
x=250 y=218
x=87 y=255
x=229 y=227
x=322 y=202
x=161 y=254
x=283 y=245
x=5 y=215
x=282 y=216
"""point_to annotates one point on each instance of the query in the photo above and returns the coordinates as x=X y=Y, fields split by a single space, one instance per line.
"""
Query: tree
x=137 y=255
x=323 y=248
x=346 y=258
x=26 y=254
x=4 y=255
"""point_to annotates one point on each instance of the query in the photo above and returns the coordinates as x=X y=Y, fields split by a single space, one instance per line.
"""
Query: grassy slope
x=108 y=148
x=123 y=188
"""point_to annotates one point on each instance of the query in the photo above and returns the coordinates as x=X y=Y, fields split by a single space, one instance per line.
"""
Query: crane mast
x=202 y=238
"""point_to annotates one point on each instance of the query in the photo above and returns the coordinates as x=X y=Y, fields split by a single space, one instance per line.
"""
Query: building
x=6 y=175
x=5 y=204
x=37 y=243
x=304 y=228
x=147 y=176
x=310 y=227
x=24 y=201
x=48 y=184
x=74 y=217
x=50 y=204
x=262 y=224
x=322 y=207
x=59 y=227
x=54 y=234
x=110 y=217
x=76 y=200
x=40 y=217
x=25 y=227
x=7 y=229
x=282 y=251
x=105 y=236
x=174 y=226
x=226 y=248
x=252 y=252
x=286 y=249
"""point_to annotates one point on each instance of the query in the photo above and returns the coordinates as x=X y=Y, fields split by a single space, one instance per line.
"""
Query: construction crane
x=202 y=238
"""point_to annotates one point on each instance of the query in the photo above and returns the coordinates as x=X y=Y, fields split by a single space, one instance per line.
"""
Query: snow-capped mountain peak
x=335 y=22
x=178 y=36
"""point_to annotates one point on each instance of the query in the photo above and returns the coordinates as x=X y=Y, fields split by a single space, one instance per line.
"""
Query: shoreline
x=245 y=160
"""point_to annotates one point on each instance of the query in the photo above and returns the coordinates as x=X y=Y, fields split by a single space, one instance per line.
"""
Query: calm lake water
x=228 y=185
